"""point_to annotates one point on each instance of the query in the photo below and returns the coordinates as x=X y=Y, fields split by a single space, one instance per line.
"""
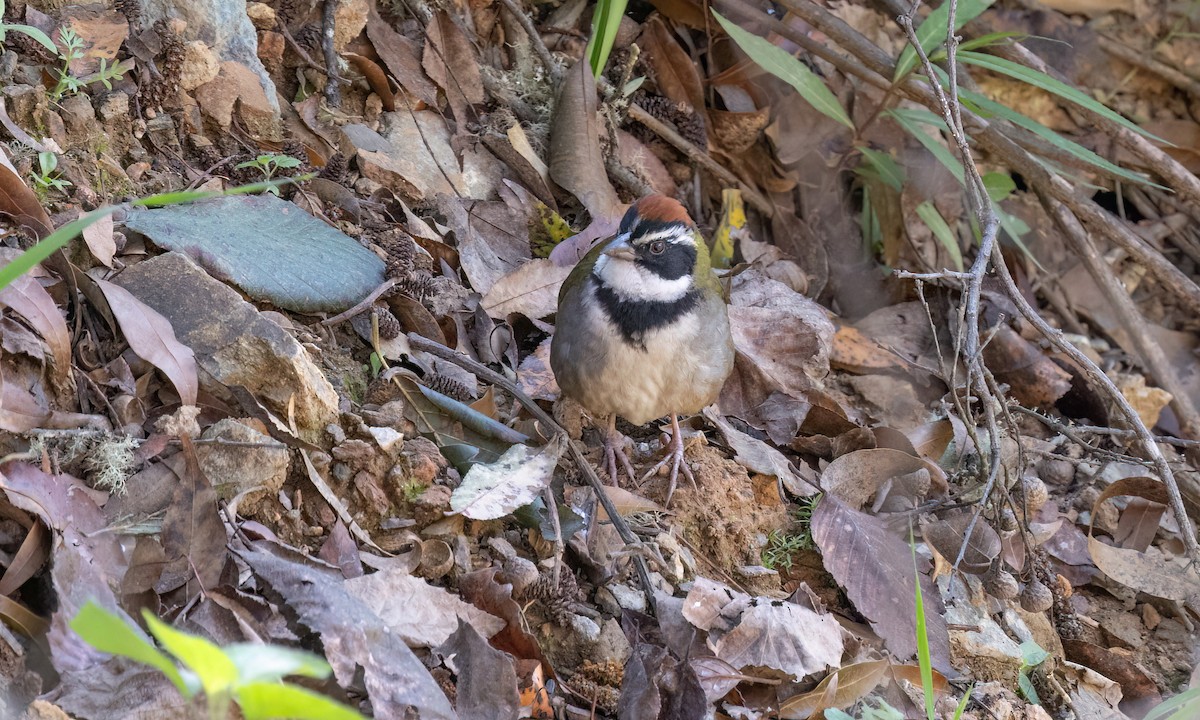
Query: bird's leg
x=614 y=450
x=676 y=458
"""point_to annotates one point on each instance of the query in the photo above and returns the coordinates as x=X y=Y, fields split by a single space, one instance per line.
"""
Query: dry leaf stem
x=487 y=374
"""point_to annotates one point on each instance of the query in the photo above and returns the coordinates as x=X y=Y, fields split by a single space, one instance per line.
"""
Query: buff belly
x=680 y=370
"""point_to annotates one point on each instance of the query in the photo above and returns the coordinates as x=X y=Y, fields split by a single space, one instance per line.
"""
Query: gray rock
x=223 y=25
x=255 y=463
x=234 y=344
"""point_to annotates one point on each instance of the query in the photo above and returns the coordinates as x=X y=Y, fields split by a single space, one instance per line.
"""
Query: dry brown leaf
x=375 y=78
x=32 y=555
x=99 y=239
x=850 y=684
x=102 y=32
x=29 y=299
x=757 y=456
x=418 y=613
x=19 y=203
x=1033 y=378
x=946 y=537
x=481 y=589
x=1160 y=576
x=193 y=534
x=151 y=336
x=759 y=631
x=531 y=290
x=401 y=57
x=673 y=71
x=534 y=375
x=19 y=409
x=487 y=680
x=878 y=570
x=449 y=60
x=858 y=476
x=576 y=162
x=1140 y=693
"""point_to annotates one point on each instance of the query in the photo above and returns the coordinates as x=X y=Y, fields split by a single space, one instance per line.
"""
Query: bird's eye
x=658 y=247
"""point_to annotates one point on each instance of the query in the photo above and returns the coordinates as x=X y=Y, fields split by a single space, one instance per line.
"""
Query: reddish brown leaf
x=1033 y=378
x=19 y=203
x=482 y=590
x=193 y=534
x=449 y=60
x=375 y=78
x=341 y=551
x=32 y=555
x=840 y=689
x=673 y=70
x=29 y=299
x=1139 y=690
x=19 y=409
x=947 y=536
x=151 y=336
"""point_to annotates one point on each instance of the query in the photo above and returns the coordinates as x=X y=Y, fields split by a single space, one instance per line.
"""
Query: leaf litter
x=430 y=532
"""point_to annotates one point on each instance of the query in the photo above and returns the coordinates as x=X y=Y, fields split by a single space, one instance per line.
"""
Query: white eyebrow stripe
x=671 y=235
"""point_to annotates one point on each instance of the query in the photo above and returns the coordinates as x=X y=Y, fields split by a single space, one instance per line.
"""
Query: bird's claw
x=614 y=451
x=675 y=456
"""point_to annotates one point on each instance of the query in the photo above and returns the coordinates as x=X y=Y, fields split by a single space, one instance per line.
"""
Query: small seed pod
x=1007 y=522
x=1000 y=583
x=1036 y=597
x=1035 y=493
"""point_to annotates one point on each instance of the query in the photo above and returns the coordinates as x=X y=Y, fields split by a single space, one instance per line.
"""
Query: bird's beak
x=620 y=249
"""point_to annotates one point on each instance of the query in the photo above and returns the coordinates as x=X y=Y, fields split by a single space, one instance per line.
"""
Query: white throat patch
x=632 y=282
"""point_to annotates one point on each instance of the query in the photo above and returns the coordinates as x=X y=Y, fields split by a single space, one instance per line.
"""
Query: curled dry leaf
x=449 y=60
x=851 y=684
x=1033 y=378
x=19 y=203
x=535 y=377
x=401 y=57
x=759 y=631
x=151 y=336
x=947 y=536
x=19 y=409
x=1161 y=576
x=858 y=476
x=375 y=78
x=99 y=239
x=757 y=456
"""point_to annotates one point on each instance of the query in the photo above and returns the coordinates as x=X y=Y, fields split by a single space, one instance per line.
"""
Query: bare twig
x=487 y=374
x=333 y=80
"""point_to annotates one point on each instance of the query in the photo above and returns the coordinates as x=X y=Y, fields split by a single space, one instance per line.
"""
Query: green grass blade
x=932 y=31
x=882 y=166
x=962 y=704
x=911 y=120
x=37 y=35
x=1181 y=707
x=782 y=65
x=937 y=224
x=924 y=661
x=1051 y=85
x=990 y=107
x=46 y=247
x=605 y=22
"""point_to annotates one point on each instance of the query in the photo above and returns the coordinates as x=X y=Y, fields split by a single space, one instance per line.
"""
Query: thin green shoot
x=605 y=22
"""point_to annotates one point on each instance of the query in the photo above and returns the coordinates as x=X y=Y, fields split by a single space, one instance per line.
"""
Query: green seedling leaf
x=962 y=704
x=782 y=65
x=1050 y=85
x=932 y=31
x=217 y=674
x=256 y=662
x=605 y=22
x=1032 y=654
x=1183 y=706
x=999 y=185
x=36 y=34
x=937 y=224
x=882 y=166
x=259 y=701
x=1027 y=689
x=108 y=633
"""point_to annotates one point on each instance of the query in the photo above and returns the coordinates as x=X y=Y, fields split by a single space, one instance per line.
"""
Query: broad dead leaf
x=18 y=202
x=674 y=73
x=419 y=613
x=487 y=680
x=32 y=555
x=481 y=589
x=449 y=60
x=853 y=683
x=1033 y=378
x=946 y=536
x=99 y=239
x=401 y=57
x=759 y=631
x=355 y=639
x=20 y=411
x=496 y=489
x=193 y=534
x=531 y=290
x=576 y=162
x=879 y=571
x=29 y=299
x=859 y=476
x=757 y=456
x=151 y=336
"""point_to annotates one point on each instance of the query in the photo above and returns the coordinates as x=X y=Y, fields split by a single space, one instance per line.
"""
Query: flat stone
x=411 y=158
x=237 y=87
x=233 y=342
x=255 y=463
x=200 y=65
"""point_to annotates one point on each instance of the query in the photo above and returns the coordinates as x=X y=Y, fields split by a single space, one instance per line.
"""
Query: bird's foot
x=675 y=457
x=614 y=452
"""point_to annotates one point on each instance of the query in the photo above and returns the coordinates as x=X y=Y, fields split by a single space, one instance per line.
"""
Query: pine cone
x=335 y=168
x=131 y=9
x=389 y=326
x=448 y=387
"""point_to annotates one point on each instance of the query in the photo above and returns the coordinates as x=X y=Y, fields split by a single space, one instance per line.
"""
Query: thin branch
x=535 y=39
x=333 y=81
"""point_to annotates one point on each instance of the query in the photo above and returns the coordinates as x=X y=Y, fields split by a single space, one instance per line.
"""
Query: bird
x=642 y=330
